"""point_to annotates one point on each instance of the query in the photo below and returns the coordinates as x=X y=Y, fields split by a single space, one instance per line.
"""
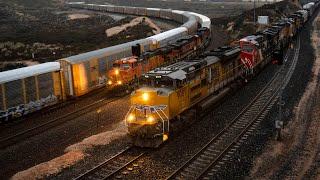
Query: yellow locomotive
x=169 y=91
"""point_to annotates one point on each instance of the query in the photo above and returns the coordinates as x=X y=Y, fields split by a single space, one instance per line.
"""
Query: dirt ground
x=66 y=161
x=230 y=20
x=300 y=146
x=48 y=31
x=242 y=25
x=44 y=31
x=220 y=8
x=118 y=29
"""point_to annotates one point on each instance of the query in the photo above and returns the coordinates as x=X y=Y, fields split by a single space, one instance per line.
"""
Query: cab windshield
x=247 y=48
x=157 y=82
x=116 y=65
x=125 y=66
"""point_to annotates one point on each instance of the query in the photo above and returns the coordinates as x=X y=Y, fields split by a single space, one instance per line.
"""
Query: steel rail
x=235 y=140
x=267 y=104
x=237 y=119
x=109 y=167
x=221 y=132
x=4 y=142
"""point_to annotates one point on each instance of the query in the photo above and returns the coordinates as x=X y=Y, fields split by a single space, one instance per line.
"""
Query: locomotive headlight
x=150 y=119
x=145 y=96
x=116 y=72
x=109 y=82
x=130 y=118
x=119 y=82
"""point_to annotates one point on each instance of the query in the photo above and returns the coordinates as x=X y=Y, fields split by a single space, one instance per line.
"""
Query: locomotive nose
x=142 y=119
x=114 y=77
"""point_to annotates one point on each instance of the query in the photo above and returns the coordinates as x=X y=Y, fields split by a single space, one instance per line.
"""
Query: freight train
x=167 y=93
x=28 y=89
x=127 y=71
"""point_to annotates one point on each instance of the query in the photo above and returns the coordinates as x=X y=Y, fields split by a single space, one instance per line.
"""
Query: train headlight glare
x=109 y=82
x=119 y=82
x=165 y=137
x=145 y=96
x=130 y=118
x=150 y=119
x=116 y=71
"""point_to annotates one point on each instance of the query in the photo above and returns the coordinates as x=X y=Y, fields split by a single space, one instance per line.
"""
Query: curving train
x=28 y=89
x=128 y=70
x=167 y=93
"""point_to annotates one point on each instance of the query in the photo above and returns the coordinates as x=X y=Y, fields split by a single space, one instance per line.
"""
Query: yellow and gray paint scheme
x=169 y=91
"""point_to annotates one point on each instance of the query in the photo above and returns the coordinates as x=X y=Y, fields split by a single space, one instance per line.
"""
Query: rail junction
x=206 y=161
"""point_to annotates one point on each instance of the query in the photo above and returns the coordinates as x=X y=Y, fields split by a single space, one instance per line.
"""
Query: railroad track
x=207 y=161
x=113 y=165
x=10 y=140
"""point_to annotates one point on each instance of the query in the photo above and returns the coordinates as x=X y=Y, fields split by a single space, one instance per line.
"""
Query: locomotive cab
x=148 y=118
x=249 y=51
x=122 y=71
x=165 y=93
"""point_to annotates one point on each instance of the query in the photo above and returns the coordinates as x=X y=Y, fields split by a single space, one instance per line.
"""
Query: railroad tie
x=204 y=160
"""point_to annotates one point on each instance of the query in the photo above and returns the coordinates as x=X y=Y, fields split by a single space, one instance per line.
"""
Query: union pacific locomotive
x=166 y=93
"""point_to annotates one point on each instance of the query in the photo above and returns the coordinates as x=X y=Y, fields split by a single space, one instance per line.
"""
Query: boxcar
x=160 y=40
x=153 y=12
x=85 y=72
x=30 y=88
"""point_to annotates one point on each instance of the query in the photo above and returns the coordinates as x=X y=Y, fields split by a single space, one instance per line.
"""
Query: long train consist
x=25 y=90
x=166 y=93
x=129 y=70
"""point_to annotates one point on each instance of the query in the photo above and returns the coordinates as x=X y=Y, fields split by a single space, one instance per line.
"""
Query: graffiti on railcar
x=23 y=109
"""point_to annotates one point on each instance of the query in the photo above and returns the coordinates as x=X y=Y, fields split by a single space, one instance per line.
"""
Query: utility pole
x=254 y=14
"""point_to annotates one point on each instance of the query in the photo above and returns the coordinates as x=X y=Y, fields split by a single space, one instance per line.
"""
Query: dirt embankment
x=242 y=25
x=73 y=154
x=212 y=9
x=52 y=32
x=229 y=29
x=300 y=146
x=136 y=21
